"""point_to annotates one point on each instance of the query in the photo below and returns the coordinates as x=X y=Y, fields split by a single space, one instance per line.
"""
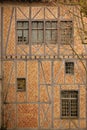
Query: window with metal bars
x=69 y=104
x=44 y=31
x=22 y=32
x=69 y=67
x=21 y=84
x=66 y=32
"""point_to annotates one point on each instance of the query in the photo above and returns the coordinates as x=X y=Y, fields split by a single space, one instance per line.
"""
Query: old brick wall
x=39 y=105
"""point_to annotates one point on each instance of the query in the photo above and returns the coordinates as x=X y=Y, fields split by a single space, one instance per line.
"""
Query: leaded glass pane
x=40 y=35
x=48 y=24
x=40 y=25
x=54 y=24
x=25 y=25
x=22 y=32
x=34 y=35
x=20 y=36
x=34 y=24
x=25 y=35
x=19 y=24
x=48 y=35
x=54 y=35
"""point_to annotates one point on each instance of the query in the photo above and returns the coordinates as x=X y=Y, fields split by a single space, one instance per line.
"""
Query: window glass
x=22 y=32
x=37 y=32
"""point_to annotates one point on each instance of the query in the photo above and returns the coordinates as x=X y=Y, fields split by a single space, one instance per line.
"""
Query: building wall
x=39 y=13
x=40 y=105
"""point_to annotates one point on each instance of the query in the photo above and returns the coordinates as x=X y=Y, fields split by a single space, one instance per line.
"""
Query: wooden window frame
x=44 y=31
x=68 y=111
x=19 y=87
x=66 y=32
x=37 y=29
x=69 y=67
x=22 y=29
x=51 y=31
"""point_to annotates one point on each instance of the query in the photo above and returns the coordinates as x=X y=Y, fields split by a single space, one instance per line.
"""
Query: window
x=69 y=104
x=51 y=31
x=39 y=29
x=21 y=84
x=66 y=32
x=69 y=67
x=22 y=32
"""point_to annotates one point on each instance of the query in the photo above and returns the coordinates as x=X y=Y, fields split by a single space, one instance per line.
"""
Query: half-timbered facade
x=43 y=68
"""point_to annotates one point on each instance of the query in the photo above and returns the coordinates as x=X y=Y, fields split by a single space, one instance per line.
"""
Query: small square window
x=69 y=67
x=21 y=84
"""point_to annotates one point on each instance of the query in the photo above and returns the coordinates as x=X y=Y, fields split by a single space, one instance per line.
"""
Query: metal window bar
x=69 y=67
x=66 y=32
x=69 y=104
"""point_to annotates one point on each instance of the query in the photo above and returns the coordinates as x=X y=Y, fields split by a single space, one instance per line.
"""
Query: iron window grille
x=69 y=104
x=69 y=68
x=22 y=32
x=21 y=84
x=66 y=32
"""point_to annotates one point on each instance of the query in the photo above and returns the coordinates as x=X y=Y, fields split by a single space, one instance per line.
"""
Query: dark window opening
x=69 y=67
x=21 y=84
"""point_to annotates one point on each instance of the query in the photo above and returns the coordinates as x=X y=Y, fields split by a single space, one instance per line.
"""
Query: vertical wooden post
x=52 y=93
x=0 y=67
x=86 y=93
